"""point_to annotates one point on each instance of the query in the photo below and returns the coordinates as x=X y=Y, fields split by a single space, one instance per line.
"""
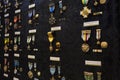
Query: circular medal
x=30 y=74
x=85 y=12
x=104 y=44
x=102 y=1
x=5 y=68
x=85 y=47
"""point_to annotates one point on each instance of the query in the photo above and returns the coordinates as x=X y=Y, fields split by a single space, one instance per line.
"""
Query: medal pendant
x=104 y=44
x=30 y=74
x=85 y=47
x=85 y=12
x=52 y=19
x=102 y=1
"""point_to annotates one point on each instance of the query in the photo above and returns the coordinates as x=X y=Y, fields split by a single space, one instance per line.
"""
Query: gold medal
x=30 y=74
x=50 y=38
x=85 y=12
x=102 y=1
x=85 y=47
x=104 y=44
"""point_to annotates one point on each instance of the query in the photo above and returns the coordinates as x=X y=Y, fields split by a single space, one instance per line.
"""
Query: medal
x=104 y=44
x=16 y=4
x=85 y=12
x=16 y=64
x=98 y=35
x=39 y=73
x=15 y=44
x=30 y=14
x=102 y=1
x=95 y=3
x=59 y=71
x=50 y=38
x=85 y=36
x=52 y=19
x=15 y=19
x=85 y=47
x=28 y=42
x=18 y=40
x=57 y=46
x=99 y=75
x=52 y=71
x=88 y=76
x=61 y=6
x=35 y=66
x=5 y=65
x=33 y=39
x=30 y=73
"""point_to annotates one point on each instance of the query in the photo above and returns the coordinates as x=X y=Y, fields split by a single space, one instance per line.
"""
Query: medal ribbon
x=30 y=13
x=60 y=4
x=85 y=2
x=30 y=65
x=51 y=7
x=98 y=32
x=52 y=70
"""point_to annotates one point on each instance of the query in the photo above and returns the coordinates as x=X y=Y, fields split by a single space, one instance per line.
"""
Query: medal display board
x=59 y=40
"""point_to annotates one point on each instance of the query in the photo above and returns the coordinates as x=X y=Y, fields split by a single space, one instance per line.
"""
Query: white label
x=17 y=33
x=17 y=11
x=91 y=23
x=15 y=78
x=6 y=75
x=17 y=55
x=57 y=28
x=32 y=31
x=31 y=6
x=31 y=56
x=6 y=15
x=6 y=54
x=55 y=58
x=93 y=63
x=6 y=35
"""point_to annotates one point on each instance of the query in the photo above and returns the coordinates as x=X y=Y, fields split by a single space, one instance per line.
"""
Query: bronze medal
x=104 y=44
x=102 y=1
x=85 y=47
x=30 y=74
